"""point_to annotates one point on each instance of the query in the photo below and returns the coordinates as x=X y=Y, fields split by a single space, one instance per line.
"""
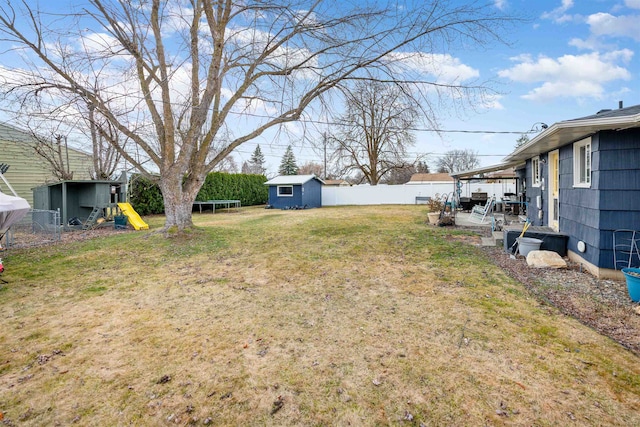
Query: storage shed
x=79 y=198
x=295 y=191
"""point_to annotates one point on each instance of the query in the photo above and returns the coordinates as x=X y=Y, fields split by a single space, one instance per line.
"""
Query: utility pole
x=324 y=143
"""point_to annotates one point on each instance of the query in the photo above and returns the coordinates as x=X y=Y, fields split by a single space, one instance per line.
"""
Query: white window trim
x=285 y=186
x=536 y=179
x=577 y=164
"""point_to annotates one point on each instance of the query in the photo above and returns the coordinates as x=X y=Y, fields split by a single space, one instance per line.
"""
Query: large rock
x=545 y=259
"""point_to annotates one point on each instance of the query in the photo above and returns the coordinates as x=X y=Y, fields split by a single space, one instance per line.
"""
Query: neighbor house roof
x=292 y=180
x=336 y=182
x=10 y=133
x=568 y=131
x=430 y=177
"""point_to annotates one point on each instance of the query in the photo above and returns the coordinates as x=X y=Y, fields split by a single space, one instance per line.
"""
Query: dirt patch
x=603 y=305
x=79 y=235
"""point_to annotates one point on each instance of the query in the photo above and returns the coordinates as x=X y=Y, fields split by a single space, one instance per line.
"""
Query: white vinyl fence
x=406 y=194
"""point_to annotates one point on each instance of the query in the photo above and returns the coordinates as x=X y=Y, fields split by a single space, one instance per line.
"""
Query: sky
x=565 y=60
x=572 y=59
x=568 y=59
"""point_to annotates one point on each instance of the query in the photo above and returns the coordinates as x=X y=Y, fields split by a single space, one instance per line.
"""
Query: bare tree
x=55 y=153
x=104 y=140
x=311 y=168
x=186 y=82
x=375 y=130
x=400 y=175
x=228 y=164
x=78 y=122
x=404 y=174
x=457 y=160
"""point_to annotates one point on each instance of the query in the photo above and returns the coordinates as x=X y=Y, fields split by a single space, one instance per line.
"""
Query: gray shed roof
x=292 y=180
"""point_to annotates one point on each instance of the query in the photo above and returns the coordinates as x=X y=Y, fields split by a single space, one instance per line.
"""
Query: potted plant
x=434 y=205
x=632 y=276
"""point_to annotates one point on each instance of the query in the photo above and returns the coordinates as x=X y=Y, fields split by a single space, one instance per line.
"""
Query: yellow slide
x=132 y=215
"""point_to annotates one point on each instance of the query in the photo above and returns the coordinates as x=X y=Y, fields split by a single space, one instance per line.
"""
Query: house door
x=554 y=189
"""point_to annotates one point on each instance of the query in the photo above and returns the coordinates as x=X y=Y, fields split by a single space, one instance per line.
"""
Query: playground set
x=82 y=205
x=89 y=204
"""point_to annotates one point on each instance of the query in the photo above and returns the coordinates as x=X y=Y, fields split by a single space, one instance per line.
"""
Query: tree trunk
x=178 y=195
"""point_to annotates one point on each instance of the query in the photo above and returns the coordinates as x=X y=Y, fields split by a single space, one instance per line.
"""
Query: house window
x=582 y=163
x=285 y=190
x=535 y=172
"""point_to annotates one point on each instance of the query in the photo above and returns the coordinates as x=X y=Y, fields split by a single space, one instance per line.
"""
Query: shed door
x=554 y=190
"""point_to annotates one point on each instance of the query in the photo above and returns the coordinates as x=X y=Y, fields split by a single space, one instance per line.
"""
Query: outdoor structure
x=80 y=199
x=291 y=191
x=27 y=169
x=582 y=179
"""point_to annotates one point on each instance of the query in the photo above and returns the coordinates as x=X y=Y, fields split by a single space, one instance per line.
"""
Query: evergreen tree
x=256 y=163
x=422 y=167
x=288 y=164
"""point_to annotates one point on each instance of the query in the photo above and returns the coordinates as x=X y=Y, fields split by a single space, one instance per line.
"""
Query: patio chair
x=482 y=214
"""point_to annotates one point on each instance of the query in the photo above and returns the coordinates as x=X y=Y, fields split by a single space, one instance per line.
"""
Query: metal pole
x=8 y=185
x=324 y=141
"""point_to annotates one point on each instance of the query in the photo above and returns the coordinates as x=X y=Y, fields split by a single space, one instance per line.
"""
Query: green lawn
x=355 y=316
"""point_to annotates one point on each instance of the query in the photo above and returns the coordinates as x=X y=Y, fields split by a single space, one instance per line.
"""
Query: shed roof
x=292 y=180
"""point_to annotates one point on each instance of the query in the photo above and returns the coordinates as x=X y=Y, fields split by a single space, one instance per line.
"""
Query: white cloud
x=590 y=43
x=605 y=24
x=501 y=4
x=98 y=43
x=251 y=42
x=492 y=102
x=580 y=76
x=559 y=14
x=444 y=67
x=632 y=4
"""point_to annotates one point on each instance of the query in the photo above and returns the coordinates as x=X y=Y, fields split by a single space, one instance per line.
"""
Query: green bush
x=146 y=197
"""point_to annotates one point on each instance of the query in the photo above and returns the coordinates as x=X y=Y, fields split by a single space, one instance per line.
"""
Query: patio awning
x=476 y=173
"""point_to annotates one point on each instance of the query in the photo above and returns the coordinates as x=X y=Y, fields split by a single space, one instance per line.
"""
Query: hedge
x=146 y=198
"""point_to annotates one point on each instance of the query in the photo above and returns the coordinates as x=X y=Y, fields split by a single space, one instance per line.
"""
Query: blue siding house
x=295 y=191
x=582 y=178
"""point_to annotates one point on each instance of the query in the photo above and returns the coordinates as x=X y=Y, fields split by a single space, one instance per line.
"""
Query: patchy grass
x=336 y=316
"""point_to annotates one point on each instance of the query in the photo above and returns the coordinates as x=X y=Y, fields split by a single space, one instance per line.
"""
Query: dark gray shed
x=79 y=198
